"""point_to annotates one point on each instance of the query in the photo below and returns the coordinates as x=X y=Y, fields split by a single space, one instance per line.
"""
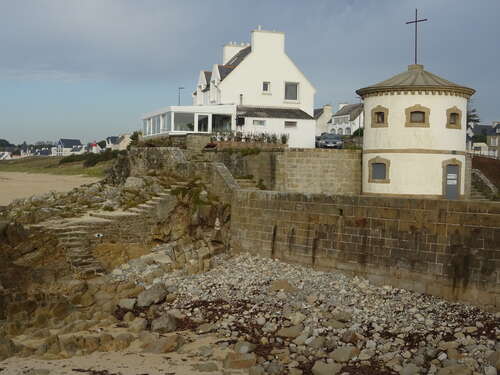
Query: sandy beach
x=14 y=185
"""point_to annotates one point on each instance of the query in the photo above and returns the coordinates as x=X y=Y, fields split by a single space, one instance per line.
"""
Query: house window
x=259 y=122
x=290 y=124
x=203 y=123
x=184 y=122
x=454 y=118
x=347 y=131
x=378 y=170
x=266 y=87
x=379 y=117
x=417 y=116
x=291 y=91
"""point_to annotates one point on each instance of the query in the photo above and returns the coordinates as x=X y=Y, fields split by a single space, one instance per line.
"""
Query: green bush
x=74 y=158
x=90 y=159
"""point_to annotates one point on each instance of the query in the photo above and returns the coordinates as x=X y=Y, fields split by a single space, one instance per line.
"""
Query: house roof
x=113 y=140
x=273 y=112
x=233 y=62
x=415 y=78
x=353 y=110
x=208 y=76
x=484 y=130
x=318 y=112
x=69 y=143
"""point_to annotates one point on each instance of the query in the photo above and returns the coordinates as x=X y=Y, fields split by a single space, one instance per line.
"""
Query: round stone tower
x=414 y=139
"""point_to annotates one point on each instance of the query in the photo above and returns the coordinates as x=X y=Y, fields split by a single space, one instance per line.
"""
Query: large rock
x=322 y=368
x=344 y=353
x=240 y=360
x=164 y=344
x=127 y=303
x=284 y=285
x=291 y=332
x=164 y=324
x=155 y=294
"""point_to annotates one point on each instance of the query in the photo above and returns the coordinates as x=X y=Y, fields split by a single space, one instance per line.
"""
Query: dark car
x=330 y=141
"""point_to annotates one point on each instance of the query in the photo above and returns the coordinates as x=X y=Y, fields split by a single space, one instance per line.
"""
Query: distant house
x=66 y=147
x=347 y=119
x=323 y=117
x=489 y=139
x=43 y=152
x=112 y=143
x=93 y=148
x=5 y=155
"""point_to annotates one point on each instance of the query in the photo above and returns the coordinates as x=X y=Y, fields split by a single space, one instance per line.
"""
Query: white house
x=323 y=117
x=256 y=88
x=5 y=155
x=118 y=142
x=347 y=119
x=66 y=147
x=414 y=136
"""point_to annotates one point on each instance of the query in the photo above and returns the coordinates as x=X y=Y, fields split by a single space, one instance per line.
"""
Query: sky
x=90 y=68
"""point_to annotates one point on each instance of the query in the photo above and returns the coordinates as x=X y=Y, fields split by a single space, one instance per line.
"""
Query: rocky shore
x=268 y=317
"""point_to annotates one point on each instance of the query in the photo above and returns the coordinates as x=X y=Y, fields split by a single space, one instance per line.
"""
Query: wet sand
x=15 y=185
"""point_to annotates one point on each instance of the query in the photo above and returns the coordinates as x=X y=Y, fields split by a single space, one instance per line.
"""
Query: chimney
x=342 y=105
x=267 y=41
x=231 y=49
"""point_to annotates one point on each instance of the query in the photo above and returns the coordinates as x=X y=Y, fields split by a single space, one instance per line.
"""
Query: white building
x=257 y=88
x=347 y=119
x=414 y=136
x=65 y=147
x=323 y=117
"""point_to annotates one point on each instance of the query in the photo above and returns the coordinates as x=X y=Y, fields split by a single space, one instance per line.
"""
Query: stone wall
x=294 y=170
x=319 y=171
x=445 y=248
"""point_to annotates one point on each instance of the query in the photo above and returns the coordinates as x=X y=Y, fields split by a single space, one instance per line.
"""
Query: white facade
x=347 y=124
x=258 y=75
x=323 y=117
x=424 y=159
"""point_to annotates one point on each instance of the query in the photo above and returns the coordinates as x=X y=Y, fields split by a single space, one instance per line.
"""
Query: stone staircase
x=75 y=234
x=247 y=183
x=477 y=195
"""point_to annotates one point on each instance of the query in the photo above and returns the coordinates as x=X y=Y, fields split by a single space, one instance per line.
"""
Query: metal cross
x=416 y=21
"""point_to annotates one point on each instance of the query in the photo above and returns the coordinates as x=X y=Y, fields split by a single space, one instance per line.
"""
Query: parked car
x=330 y=141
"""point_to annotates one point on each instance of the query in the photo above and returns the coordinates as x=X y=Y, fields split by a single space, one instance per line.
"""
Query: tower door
x=452 y=181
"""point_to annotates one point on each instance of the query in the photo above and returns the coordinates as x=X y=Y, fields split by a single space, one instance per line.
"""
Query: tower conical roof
x=415 y=79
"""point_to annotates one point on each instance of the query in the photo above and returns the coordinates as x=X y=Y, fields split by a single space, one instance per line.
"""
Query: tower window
x=379 y=117
x=453 y=118
x=417 y=116
x=378 y=170
x=266 y=87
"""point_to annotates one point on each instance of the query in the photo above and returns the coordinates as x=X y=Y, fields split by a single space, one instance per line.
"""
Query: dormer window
x=291 y=91
x=417 y=116
x=454 y=118
x=266 y=87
